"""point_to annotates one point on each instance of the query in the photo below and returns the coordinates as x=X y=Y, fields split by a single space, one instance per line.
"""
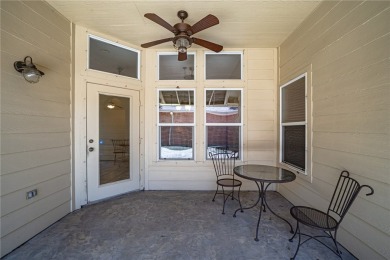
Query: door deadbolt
x=90 y=141
x=91 y=149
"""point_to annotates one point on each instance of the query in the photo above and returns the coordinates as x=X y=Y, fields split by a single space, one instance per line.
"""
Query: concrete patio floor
x=171 y=225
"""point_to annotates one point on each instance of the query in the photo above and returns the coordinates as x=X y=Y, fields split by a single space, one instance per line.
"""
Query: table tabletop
x=264 y=173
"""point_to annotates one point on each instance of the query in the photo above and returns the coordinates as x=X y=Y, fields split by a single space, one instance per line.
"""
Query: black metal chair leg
x=224 y=200
x=299 y=241
x=239 y=200
x=295 y=233
x=335 y=243
x=216 y=193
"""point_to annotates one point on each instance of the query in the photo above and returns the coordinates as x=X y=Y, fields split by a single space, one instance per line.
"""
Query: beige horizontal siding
x=34 y=124
x=12 y=222
x=32 y=176
x=376 y=27
x=17 y=200
x=35 y=119
x=261 y=123
x=30 y=15
x=261 y=84
x=353 y=81
x=347 y=45
x=358 y=143
x=34 y=227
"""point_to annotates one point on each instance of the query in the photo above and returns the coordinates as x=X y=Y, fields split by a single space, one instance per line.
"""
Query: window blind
x=293 y=102
x=294 y=145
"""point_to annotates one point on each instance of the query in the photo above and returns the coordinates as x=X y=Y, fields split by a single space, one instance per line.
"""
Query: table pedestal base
x=263 y=205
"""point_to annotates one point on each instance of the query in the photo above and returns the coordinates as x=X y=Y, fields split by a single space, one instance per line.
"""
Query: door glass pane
x=112 y=58
x=114 y=125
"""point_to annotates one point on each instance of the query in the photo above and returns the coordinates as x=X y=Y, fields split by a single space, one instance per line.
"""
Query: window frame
x=159 y=125
x=224 y=53
x=174 y=53
x=304 y=123
x=240 y=125
x=89 y=36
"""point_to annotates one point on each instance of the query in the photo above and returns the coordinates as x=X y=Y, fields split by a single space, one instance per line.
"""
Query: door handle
x=91 y=149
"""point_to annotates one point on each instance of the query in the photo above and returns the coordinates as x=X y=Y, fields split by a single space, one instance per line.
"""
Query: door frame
x=81 y=75
x=79 y=136
x=96 y=191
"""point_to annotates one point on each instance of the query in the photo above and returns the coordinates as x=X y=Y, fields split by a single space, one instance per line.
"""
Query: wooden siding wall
x=260 y=109
x=35 y=121
x=259 y=130
x=347 y=45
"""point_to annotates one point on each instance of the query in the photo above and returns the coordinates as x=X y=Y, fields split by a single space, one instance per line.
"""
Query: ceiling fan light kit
x=182 y=43
x=182 y=31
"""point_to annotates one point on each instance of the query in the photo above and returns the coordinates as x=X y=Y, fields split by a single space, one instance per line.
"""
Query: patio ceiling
x=243 y=24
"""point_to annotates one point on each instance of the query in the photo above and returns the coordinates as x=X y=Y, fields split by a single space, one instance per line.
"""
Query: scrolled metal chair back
x=345 y=193
x=223 y=162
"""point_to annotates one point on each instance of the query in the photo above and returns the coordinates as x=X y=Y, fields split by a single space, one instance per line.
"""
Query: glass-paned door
x=112 y=141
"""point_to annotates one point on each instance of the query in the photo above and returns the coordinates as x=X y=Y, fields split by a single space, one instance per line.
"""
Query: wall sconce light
x=29 y=71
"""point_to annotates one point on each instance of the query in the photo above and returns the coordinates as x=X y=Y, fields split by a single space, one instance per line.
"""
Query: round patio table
x=263 y=176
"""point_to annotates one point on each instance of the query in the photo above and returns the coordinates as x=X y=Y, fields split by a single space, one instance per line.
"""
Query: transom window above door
x=114 y=58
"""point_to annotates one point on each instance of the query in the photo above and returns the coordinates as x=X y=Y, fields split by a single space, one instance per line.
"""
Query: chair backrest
x=223 y=162
x=120 y=145
x=344 y=195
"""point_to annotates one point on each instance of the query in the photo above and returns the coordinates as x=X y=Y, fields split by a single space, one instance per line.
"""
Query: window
x=223 y=66
x=293 y=124
x=169 y=68
x=176 y=121
x=223 y=120
x=113 y=58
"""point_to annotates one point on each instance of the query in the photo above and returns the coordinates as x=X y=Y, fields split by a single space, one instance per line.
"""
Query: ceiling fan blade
x=209 y=45
x=182 y=56
x=157 y=19
x=150 y=44
x=205 y=23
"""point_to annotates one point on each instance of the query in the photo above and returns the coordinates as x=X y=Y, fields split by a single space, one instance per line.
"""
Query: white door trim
x=95 y=190
x=79 y=139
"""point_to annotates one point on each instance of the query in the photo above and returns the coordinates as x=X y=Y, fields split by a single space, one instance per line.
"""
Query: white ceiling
x=242 y=24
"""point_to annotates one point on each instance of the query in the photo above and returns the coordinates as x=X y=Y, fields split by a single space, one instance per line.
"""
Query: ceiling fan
x=183 y=33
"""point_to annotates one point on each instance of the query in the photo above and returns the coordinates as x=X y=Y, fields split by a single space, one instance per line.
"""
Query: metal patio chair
x=224 y=163
x=344 y=195
x=121 y=147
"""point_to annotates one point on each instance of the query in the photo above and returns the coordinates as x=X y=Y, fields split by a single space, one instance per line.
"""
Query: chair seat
x=313 y=217
x=229 y=182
